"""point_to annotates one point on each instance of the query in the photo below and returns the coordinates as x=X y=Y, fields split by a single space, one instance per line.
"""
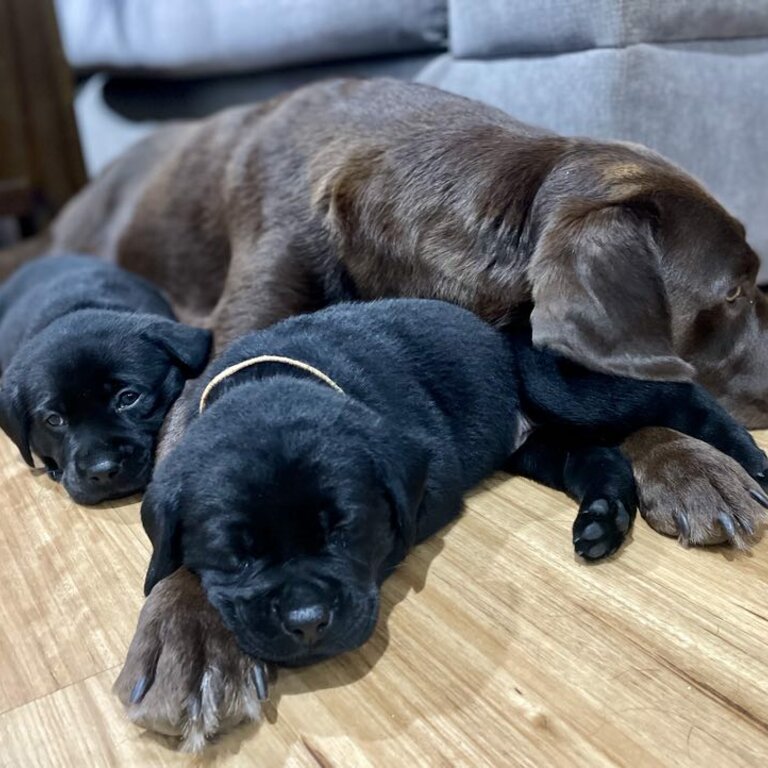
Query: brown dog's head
x=637 y=271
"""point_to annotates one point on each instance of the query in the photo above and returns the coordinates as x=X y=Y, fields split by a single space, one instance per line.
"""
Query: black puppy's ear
x=187 y=346
x=14 y=421
x=161 y=520
x=404 y=475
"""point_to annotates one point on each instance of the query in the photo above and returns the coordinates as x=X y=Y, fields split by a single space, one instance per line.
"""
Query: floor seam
x=58 y=690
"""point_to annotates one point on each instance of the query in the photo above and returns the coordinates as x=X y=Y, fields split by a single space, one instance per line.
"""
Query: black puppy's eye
x=126 y=399
x=55 y=420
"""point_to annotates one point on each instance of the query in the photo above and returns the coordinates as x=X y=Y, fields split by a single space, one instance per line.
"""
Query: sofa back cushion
x=513 y=27
x=220 y=36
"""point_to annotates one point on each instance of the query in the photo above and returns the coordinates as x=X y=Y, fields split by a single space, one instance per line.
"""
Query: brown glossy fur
x=200 y=681
x=690 y=490
x=257 y=213
x=401 y=190
x=398 y=189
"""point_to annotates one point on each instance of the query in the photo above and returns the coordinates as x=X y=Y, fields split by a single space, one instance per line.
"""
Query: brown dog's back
x=379 y=188
x=175 y=206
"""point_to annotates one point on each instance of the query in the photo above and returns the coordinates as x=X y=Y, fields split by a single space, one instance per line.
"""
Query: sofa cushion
x=700 y=104
x=205 y=36
x=503 y=27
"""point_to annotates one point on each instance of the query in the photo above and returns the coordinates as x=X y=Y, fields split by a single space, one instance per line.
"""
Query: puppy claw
x=730 y=529
x=759 y=496
x=683 y=527
x=138 y=690
x=762 y=478
x=261 y=681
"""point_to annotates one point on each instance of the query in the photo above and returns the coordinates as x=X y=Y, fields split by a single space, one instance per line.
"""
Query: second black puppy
x=92 y=358
x=329 y=444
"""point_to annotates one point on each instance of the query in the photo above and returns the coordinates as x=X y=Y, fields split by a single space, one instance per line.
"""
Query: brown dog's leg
x=176 y=420
x=185 y=674
x=687 y=488
x=268 y=281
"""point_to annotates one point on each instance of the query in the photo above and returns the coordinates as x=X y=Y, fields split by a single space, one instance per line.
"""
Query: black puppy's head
x=89 y=393
x=291 y=529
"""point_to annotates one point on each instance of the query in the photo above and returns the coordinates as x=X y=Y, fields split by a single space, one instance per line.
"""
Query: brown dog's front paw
x=687 y=488
x=185 y=674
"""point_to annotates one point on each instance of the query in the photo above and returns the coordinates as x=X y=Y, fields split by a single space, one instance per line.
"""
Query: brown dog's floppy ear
x=189 y=347
x=14 y=421
x=162 y=524
x=598 y=294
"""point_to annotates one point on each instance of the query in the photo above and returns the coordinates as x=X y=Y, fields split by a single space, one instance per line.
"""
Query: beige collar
x=233 y=369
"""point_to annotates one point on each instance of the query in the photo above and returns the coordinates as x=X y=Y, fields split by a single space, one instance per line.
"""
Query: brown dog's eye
x=126 y=399
x=55 y=420
x=735 y=293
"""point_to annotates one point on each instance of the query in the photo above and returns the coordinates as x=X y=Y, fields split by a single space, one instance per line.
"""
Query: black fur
x=77 y=337
x=293 y=502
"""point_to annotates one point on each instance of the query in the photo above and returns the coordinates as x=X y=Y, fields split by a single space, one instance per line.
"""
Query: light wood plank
x=496 y=647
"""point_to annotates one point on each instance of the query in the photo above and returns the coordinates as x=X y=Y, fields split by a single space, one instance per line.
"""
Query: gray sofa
x=686 y=77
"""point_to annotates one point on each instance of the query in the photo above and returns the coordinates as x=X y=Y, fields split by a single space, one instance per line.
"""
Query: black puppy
x=92 y=358
x=307 y=478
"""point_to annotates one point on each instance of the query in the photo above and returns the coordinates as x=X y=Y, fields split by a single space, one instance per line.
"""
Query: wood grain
x=495 y=647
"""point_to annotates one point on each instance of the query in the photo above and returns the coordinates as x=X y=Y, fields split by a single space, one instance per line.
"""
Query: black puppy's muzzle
x=310 y=622
x=102 y=471
x=305 y=612
x=110 y=473
x=297 y=622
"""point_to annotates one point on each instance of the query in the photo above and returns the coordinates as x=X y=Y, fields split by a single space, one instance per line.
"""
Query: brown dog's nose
x=102 y=471
x=307 y=623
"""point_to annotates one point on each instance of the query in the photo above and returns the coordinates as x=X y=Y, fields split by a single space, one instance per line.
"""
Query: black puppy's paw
x=601 y=527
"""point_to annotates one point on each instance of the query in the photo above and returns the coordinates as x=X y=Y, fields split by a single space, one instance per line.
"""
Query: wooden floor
x=496 y=647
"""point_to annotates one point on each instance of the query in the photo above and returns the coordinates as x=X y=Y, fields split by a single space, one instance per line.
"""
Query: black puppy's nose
x=307 y=623
x=102 y=471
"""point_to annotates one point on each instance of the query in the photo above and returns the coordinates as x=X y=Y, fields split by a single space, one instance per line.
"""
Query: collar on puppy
x=233 y=369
